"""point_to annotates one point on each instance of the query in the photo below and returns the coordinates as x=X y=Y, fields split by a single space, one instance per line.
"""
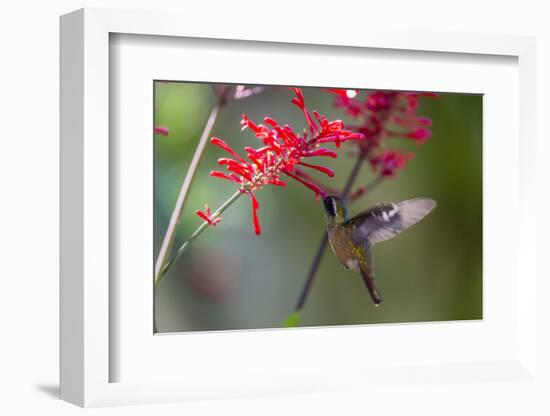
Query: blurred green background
x=233 y=279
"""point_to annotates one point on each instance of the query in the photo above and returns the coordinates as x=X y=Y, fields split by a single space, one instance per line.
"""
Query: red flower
x=283 y=149
x=163 y=131
x=344 y=99
x=389 y=161
x=420 y=135
x=343 y=92
x=379 y=100
x=207 y=216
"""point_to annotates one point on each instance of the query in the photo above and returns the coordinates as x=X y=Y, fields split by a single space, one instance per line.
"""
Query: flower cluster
x=383 y=115
x=282 y=151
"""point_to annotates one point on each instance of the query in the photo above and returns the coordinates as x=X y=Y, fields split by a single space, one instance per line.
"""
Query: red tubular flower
x=389 y=161
x=325 y=170
x=255 y=207
x=207 y=216
x=379 y=100
x=163 y=131
x=420 y=135
x=283 y=149
x=344 y=99
x=312 y=181
x=349 y=93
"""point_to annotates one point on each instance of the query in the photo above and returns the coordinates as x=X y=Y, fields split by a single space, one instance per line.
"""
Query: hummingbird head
x=336 y=209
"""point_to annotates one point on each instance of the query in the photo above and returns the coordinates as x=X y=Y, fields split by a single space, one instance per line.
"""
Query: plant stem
x=197 y=232
x=184 y=190
x=324 y=241
x=311 y=273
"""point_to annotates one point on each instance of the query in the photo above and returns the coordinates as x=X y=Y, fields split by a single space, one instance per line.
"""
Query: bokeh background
x=232 y=279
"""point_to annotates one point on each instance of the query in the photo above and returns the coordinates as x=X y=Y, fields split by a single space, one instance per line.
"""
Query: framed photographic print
x=284 y=212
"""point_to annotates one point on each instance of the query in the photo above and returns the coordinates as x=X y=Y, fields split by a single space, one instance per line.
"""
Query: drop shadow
x=51 y=390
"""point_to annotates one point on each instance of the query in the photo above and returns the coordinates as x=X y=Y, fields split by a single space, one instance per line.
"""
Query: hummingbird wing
x=386 y=220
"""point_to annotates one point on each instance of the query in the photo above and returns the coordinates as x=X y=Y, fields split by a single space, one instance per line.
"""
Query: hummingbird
x=351 y=239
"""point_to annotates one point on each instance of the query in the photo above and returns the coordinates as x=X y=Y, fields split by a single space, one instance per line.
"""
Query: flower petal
x=318 y=191
x=220 y=143
x=217 y=174
x=255 y=207
x=325 y=170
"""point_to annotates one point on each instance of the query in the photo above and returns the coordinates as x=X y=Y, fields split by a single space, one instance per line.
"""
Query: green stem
x=184 y=190
x=197 y=232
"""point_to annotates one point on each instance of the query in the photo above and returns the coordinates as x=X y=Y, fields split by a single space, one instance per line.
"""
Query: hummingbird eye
x=330 y=205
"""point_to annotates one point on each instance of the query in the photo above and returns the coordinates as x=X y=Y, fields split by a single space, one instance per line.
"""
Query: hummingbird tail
x=368 y=278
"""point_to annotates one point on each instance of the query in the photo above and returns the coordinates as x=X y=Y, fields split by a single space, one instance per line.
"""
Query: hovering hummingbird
x=352 y=239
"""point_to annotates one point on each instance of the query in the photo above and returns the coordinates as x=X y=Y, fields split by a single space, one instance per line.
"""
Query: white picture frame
x=87 y=302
